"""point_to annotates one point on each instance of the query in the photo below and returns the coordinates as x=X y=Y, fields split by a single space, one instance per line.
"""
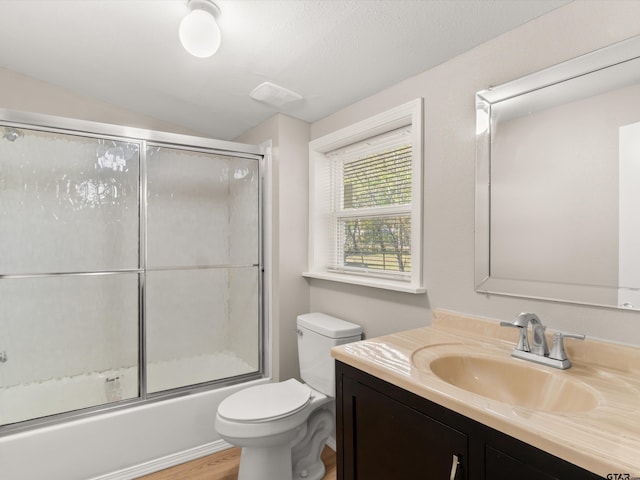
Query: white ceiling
x=332 y=52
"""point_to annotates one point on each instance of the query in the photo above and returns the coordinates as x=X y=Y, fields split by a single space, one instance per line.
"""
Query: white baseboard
x=174 y=459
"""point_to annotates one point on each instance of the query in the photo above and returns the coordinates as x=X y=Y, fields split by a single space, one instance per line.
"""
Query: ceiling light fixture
x=199 y=32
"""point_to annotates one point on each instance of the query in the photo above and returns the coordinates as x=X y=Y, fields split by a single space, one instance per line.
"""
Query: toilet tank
x=318 y=333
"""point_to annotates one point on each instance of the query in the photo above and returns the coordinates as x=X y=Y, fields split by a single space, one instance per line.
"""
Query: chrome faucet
x=538 y=349
x=538 y=344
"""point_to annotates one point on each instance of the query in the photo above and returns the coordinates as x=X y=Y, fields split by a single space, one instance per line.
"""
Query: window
x=365 y=202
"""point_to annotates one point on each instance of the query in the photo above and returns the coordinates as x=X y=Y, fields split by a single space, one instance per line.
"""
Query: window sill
x=366 y=282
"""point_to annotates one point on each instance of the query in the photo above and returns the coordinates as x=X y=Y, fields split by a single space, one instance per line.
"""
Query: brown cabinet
x=385 y=432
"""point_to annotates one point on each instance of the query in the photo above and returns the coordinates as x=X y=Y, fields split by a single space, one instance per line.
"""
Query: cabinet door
x=387 y=440
x=500 y=466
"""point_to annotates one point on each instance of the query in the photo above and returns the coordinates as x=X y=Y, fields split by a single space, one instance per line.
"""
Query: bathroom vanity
x=398 y=419
x=388 y=432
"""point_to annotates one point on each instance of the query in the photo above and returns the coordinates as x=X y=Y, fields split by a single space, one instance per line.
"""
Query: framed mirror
x=558 y=182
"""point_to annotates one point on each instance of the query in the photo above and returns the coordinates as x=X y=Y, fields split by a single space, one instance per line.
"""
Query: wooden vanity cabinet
x=384 y=432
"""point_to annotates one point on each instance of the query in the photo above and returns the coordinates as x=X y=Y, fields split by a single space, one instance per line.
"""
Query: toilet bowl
x=270 y=423
x=283 y=427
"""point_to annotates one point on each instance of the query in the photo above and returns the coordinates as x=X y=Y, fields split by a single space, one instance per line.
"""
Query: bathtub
x=120 y=444
x=57 y=395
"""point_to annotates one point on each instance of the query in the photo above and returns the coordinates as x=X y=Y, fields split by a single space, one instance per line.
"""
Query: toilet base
x=307 y=464
x=265 y=463
x=298 y=459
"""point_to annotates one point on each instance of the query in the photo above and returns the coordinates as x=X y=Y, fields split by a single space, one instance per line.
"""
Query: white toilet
x=283 y=427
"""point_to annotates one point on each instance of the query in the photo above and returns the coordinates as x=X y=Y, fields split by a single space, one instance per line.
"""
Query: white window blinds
x=371 y=213
x=365 y=202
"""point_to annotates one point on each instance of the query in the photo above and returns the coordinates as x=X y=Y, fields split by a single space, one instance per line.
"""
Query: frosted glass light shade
x=199 y=34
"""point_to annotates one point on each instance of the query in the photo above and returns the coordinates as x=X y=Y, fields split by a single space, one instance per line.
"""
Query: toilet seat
x=265 y=403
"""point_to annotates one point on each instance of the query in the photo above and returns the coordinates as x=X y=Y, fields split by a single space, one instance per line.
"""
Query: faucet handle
x=557 y=349
x=523 y=339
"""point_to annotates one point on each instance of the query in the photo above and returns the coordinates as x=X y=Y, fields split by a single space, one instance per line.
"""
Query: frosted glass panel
x=202 y=325
x=80 y=255
x=67 y=203
x=70 y=341
x=202 y=209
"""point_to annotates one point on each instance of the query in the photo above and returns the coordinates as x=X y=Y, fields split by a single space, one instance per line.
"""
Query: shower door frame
x=188 y=143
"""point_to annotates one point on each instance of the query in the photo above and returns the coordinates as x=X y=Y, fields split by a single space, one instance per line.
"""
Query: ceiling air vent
x=274 y=95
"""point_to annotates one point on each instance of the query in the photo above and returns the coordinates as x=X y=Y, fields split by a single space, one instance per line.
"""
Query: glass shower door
x=69 y=272
x=128 y=268
x=203 y=275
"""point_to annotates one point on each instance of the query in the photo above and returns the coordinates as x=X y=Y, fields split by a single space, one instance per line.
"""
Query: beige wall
x=289 y=207
x=449 y=179
x=19 y=92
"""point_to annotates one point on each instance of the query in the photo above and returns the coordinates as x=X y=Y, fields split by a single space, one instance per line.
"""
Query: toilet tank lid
x=328 y=326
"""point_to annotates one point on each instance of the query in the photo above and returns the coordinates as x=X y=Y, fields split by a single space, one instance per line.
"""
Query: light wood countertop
x=603 y=440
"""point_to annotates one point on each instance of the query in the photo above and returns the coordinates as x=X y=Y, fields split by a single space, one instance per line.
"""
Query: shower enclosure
x=130 y=266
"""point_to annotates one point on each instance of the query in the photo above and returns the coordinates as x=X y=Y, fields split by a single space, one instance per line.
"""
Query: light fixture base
x=206 y=5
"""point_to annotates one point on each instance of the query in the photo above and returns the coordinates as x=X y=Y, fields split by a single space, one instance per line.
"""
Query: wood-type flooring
x=224 y=466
